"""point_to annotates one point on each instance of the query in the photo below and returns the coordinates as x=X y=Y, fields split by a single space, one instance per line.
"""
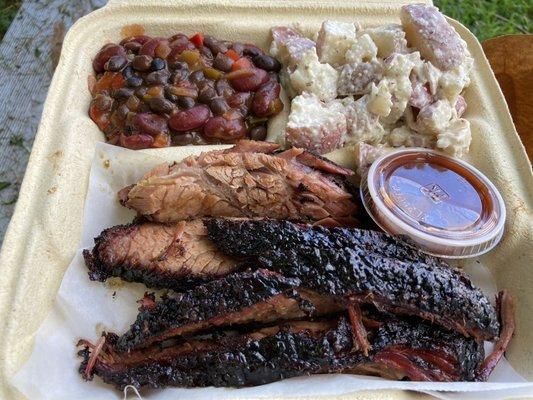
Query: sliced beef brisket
x=241 y=182
x=339 y=267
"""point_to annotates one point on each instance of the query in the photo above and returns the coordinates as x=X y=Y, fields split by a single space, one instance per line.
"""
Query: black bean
x=157 y=77
x=123 y=93
x=178 y=65
x=214 y=45
x=206 y=95
x=134 y=81
x=141 y=92
x=169 y=96
x=115 y=63
x=238 y=48
x=223 y=62
x=142 y=63
x=157 y=64
x=251 y=50
x=197 y=76
x=218 y=105
x=264 y=61
x=179 y=75
x=204 y=51
x=198 y=139
x=127 y=72
x=134 y=47
x=185 y=102
x=160 y=105
x=182 y=138
x=258 y=132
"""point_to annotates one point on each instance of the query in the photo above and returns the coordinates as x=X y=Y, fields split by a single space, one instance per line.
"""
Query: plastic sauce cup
x=439 y=204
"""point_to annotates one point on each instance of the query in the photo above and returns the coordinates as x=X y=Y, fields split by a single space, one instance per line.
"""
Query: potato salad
x=376 y=88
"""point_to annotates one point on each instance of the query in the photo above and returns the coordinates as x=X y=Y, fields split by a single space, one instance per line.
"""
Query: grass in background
x=485 y=18
x=490 y=18
x=8 y=9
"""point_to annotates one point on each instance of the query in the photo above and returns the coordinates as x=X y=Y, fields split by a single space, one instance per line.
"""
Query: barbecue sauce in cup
x=440 y=204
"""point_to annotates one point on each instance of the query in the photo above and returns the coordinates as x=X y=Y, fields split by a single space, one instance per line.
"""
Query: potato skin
x=428 y=31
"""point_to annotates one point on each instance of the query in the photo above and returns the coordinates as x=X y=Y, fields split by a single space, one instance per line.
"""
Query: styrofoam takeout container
x=45 y=229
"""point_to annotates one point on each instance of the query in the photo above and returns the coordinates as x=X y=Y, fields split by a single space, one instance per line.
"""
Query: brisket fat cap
x=331 y=265
x=293 y=184
x=176 y=256
x=248 y=297
x=400 y=349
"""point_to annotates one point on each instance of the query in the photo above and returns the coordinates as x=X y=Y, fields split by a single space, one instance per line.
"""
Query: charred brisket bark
x=330 y=264
x=400 y=349
x=249 y=297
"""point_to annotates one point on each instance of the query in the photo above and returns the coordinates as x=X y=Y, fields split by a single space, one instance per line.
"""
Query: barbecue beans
x=157 y=92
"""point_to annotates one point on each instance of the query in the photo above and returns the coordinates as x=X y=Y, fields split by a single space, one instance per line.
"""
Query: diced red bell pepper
x=232 y=54
x=108 y=81
x=242 y=63
x=197 y=40
x=100 y=118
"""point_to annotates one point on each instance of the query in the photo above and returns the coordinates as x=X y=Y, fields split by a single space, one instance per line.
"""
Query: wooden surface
x=28 y=55
x=511 y=59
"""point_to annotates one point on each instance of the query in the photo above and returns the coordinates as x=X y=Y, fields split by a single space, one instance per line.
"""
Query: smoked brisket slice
x=177 y=256
x=247 y=180
x=432 y=291
x=400 y=349
x=248 y=297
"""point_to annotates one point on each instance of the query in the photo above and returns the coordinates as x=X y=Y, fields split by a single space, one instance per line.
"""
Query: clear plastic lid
x=440 y=204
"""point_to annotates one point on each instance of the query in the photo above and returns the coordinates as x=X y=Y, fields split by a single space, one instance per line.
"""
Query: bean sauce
x=177 y=91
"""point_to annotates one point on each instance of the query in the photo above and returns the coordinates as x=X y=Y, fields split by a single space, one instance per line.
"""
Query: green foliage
x=485 y=18
x=490 y=18
x=8 y=9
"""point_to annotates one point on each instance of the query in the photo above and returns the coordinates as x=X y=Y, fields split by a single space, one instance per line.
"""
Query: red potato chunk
x=288 y=45
x=334 y=39
x=389 y=39
x=420 y=95
x=460 y=106
x=355 y=78
x=314 y=125
x=428 y=31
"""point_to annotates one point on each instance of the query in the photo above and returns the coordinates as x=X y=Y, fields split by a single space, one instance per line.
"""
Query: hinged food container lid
x=440 y=204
